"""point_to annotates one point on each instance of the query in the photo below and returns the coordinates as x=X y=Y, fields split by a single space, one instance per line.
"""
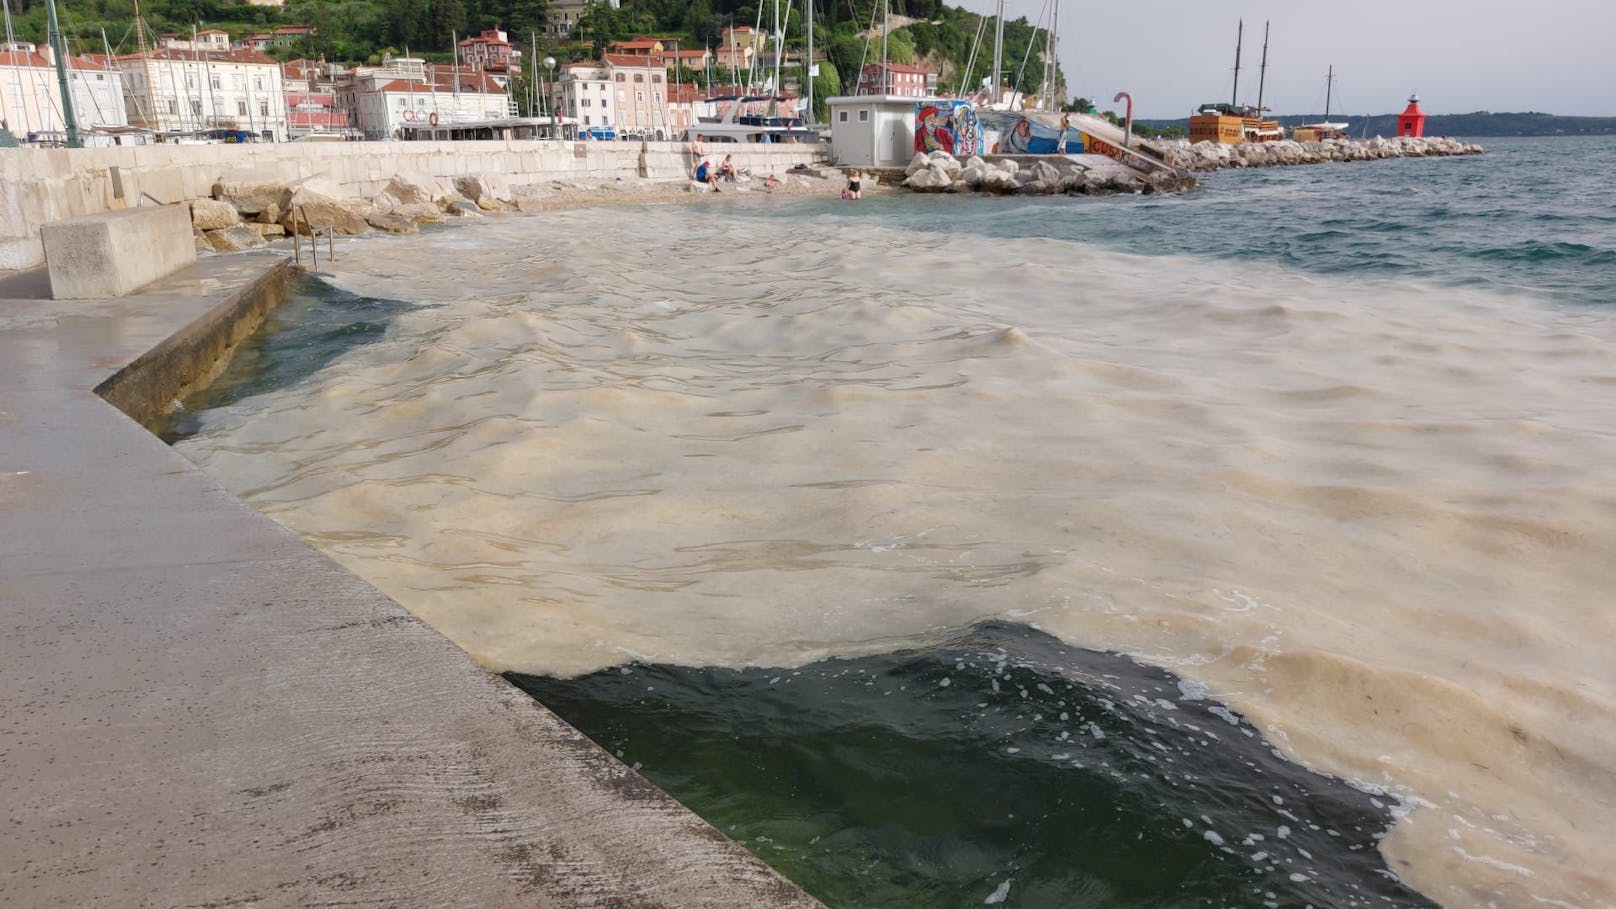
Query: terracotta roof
x=213 y=31
x=294 y=30
x=443 y=81
x=637 y=61
x=18 y=58
x=94 y=62
x=205 y=56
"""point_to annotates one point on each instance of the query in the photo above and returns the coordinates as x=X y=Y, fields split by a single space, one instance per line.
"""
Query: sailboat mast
x=1262 y=74
x=1052 y=65
x=886 y=76
x=1329 y=85
x=1239 y=36
x=998 y=54
x=808 y=67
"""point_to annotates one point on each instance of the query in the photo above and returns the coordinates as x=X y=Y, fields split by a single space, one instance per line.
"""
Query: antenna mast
x=1262 y=74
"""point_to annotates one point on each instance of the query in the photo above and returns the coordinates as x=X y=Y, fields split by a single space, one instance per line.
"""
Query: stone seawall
x=38 y=186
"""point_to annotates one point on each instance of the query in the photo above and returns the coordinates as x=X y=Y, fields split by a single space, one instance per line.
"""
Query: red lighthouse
x=1411 y=122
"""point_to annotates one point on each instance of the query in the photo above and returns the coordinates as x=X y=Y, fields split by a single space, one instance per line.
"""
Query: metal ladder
x=314 y=241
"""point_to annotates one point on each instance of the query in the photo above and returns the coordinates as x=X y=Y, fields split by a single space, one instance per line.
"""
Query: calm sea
x=1248 y=548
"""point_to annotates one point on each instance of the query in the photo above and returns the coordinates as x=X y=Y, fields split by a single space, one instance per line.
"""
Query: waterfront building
x=584 y=93
x=31 y=96
x=171 y=90
x=640 y=89
x=492 y=53
x=310 y=87
x=562 y=18
x=896 y=79
x=405 y=90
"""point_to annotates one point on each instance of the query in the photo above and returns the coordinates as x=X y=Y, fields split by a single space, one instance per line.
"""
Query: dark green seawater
x=1000 y=766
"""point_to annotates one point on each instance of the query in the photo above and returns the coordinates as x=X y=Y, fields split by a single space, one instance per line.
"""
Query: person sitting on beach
x=705 y=174
x=853 y=191
x=727 y=168
x=769 y=183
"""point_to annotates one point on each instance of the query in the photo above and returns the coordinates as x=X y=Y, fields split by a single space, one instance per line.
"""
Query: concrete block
x=113 y=253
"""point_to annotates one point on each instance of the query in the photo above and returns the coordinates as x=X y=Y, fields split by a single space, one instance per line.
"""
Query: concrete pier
x=198 y=709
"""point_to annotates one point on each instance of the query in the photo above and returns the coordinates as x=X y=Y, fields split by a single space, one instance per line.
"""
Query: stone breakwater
x=1204 y=156
x=246 y=214
x=1043 y=175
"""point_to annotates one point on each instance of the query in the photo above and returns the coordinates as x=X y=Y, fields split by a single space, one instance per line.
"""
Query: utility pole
x=1262 y=74
x=59 y=47
x=1239 y=36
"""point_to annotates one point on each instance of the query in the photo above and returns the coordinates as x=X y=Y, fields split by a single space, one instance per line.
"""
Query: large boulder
x=311 y=212
x=400 y=191
x=235 y=239
x=419 y=212
x=390 y=222
x=469 y=187
x=929 y=179
x=212 y=214
x=947 y=163
x=251 y=197
x=530 y=197
x=917 y=164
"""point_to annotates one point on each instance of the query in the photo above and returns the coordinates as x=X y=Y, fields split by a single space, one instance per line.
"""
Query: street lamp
x=549 y=98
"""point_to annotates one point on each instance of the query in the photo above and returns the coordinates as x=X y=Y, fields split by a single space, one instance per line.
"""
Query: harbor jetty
x=1206 y=156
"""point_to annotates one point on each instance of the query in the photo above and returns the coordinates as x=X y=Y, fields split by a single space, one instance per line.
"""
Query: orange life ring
x=409 y=115
x=433 y=119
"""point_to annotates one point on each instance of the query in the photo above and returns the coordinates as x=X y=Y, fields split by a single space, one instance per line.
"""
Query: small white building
x=31 y=95
x=408 y=91
x=872 y=130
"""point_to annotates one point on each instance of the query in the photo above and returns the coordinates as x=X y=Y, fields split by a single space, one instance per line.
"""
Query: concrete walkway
x=198 y=709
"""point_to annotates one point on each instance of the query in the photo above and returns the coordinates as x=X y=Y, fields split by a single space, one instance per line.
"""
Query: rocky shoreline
x=1205 y=156
x=243 y=214
x=1042 y=175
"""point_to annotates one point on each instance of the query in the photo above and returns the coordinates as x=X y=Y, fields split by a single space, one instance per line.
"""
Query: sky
x=1555 y=56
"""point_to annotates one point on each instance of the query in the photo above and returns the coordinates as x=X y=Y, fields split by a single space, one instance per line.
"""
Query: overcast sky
x=1557 y=56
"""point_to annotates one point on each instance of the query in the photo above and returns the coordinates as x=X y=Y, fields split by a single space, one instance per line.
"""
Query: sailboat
x=1317 y=132
x=1234 y=123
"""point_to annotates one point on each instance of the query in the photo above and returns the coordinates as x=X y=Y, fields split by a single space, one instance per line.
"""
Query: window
x=841 y=116
x=584 y=102
x=639 y=77
x=658 y=97
x=215 y=82
x=196 y=108
x=263 y=108
x=622 y=78
x=639 y=97
x=190 y=80
x=403 y=102
x=241 y=108
x=864 y=116
x=657 y=78
x=258 y=83
x=173 y=106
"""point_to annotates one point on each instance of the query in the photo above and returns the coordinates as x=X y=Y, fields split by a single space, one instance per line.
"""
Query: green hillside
x=359 y=31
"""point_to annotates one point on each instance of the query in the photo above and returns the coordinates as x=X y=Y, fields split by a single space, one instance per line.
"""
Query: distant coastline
x=1480 y=123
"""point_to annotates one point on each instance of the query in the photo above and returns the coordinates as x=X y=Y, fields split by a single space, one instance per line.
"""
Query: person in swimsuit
x=852 y=191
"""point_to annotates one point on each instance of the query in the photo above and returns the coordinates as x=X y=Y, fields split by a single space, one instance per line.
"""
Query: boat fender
x=433 y=118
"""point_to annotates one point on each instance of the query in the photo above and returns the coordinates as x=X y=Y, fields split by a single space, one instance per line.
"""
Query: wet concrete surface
x=198 y=709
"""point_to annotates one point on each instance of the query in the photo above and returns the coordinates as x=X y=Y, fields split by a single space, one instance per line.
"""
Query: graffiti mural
x=950 y=126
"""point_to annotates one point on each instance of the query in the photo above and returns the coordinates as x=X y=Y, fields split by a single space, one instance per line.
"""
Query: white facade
x=872 y=130
x=175 y=91
x=31 y=94
x=408 y=91
x=584 y=93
